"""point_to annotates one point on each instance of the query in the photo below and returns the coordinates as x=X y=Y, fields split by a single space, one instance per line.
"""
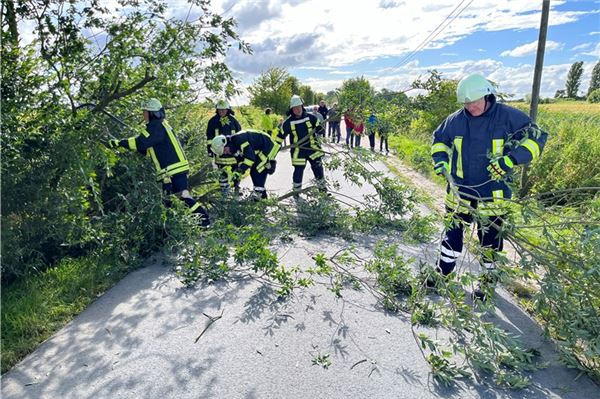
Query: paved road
x=137 y=340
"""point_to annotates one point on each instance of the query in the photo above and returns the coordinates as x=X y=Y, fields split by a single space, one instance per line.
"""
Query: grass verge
x=36 y=306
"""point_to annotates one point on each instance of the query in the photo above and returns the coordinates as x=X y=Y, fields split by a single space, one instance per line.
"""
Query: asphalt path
x=139 y=340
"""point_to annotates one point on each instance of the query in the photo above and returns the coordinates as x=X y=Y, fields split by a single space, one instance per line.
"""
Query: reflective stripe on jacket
x=159 y=141
x=469 y=143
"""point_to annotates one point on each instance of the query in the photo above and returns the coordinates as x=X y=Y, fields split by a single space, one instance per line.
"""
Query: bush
x=594 y=96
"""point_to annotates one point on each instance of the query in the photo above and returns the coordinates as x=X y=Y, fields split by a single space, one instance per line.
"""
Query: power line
x=439 y=29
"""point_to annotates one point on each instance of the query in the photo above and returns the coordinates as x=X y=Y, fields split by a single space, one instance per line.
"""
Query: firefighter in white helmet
x=303 y=129
x=223 y=123
x=479 y=145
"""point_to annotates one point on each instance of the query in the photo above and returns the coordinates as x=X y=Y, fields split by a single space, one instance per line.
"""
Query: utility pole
x=537 y=79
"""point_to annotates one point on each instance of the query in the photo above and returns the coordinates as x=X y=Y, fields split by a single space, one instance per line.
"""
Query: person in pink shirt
x=359 y=129
x=349 y=127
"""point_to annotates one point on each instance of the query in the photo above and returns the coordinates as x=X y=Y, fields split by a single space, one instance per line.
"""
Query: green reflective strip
x=248 y=162
x=244 y=145
x=533 y=148
x=459 y=165
x=225 y=160
x=294 y=134
x=131 y=143
x=498 y=195
x=440 y=147
x=194 y=207
x=497 y=147
x=316 y=155
x=154 y=159
x=174 y=142
x=452 y=202
x=274 y=151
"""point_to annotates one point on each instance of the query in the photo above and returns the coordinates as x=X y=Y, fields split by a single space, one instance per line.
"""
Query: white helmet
x=218 y=144
x=295 y=101
x=222 y=105
x=472 y=88
x=152 y=105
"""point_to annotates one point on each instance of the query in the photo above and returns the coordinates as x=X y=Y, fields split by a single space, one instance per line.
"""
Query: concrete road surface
x=138 y=340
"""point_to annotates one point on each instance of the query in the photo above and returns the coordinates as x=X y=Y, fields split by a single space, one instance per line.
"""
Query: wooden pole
x=537 y=79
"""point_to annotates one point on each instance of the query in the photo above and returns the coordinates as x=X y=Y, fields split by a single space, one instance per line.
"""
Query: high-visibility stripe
x=316 y=155
x=497 y=147
x=533 y=147
x=449 y=252
x=299 y=161
x=489 y=266
x=452 y=203
x=440 y=147
x=194 y=207
x=274 y=151
x=459 y=165
x=248 y=162
x=174 y=142
x=132 y=144
x=447 y=260
x=225 y=160
x=155 y=161
x=498 y=195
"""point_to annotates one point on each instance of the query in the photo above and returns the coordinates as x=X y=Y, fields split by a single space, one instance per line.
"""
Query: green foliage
x=594 y=96
x=273 y=88
x=574 y=79
x=594 y=83
x=570 y=156
x=357 y=96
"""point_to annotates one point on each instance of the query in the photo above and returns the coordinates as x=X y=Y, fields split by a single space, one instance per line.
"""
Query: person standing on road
x=303 y=129
x=384 y=131
x=252 y=150
x=358 y=131
x=334 y=118
x=223 y=123
x=479 y=145
x=349 y=128
x=371 y=130
x=323 y=110
x=160 y=142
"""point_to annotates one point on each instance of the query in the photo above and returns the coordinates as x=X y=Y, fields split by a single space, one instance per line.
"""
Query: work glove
x=112 y=143
x=236 y=176
x=270 y=166
x=440 y=166
x=500 y=167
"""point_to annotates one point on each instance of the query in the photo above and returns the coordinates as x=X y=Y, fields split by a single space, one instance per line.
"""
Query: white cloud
x=595 y=52
x=530 y=48
x=582 y=46
x=594 y=33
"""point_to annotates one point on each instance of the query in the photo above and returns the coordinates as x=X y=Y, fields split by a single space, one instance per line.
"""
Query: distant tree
x=273 y=88
x=574 y=79
x=308 y=95
x=560 y=94
x=357 y=94
x=595 y=81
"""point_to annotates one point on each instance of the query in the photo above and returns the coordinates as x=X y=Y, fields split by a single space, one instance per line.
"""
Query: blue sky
x=324 y=42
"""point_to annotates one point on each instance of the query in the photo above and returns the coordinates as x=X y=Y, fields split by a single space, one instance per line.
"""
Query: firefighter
x=303 y=129
x=252 y=150
x=160 y=142
x=479 y=145
x=223 y=123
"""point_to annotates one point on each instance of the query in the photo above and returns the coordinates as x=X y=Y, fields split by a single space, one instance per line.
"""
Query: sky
x=393 y=42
